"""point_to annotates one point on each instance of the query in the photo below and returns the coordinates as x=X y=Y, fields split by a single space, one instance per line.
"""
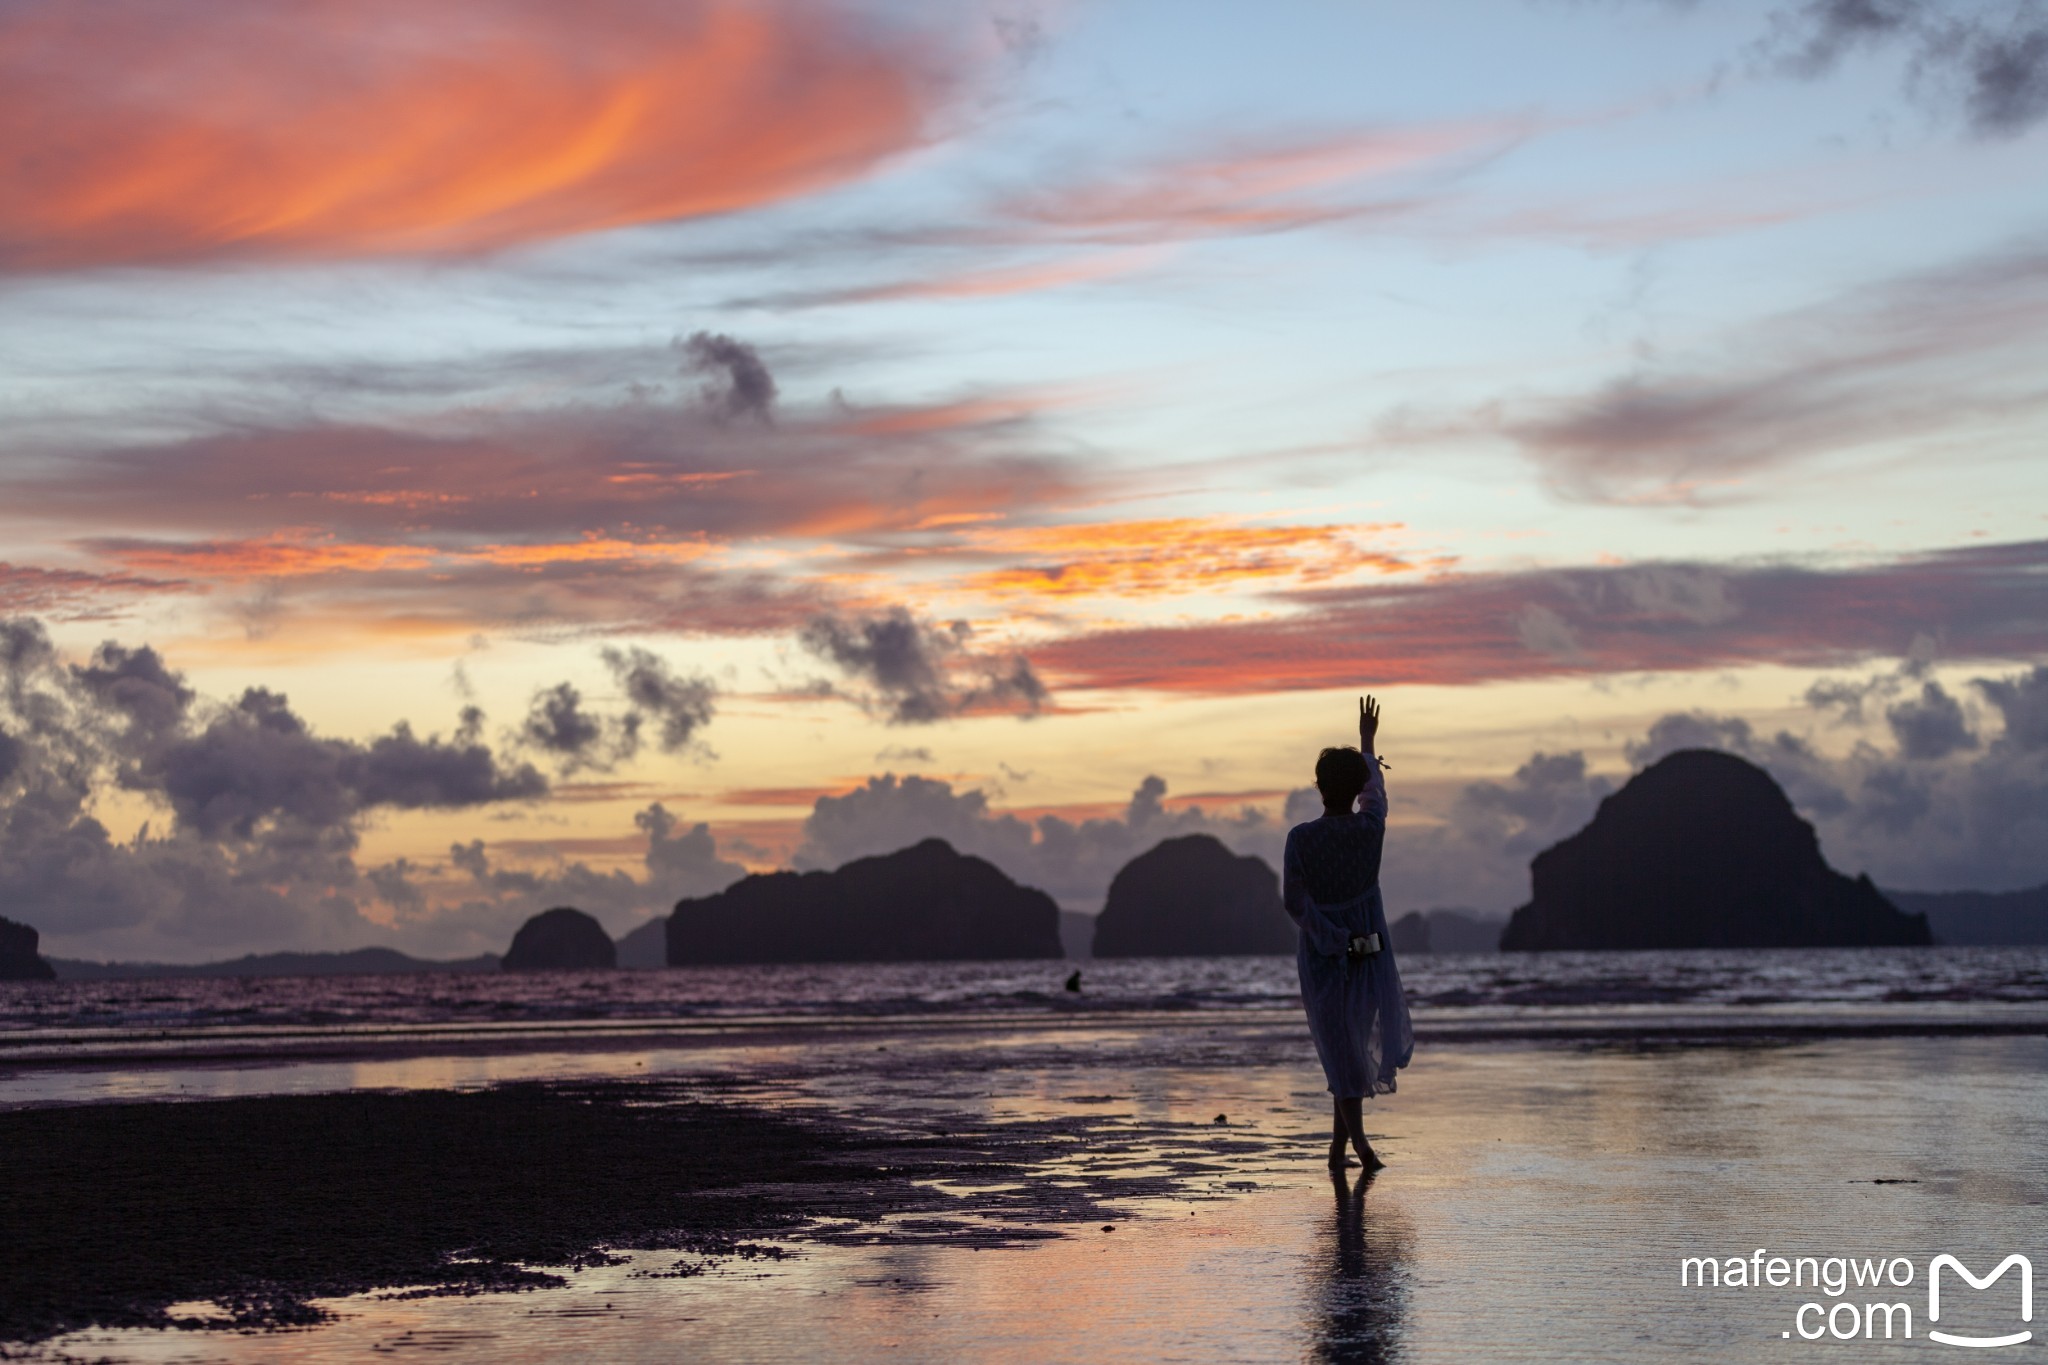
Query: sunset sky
x=454 y=452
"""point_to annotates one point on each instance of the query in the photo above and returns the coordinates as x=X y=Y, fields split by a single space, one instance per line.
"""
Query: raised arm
x=1373 y=800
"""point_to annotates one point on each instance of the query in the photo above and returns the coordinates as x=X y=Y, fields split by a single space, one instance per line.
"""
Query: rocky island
x=922 y=903
x=1192 y=897
x=19 y=960
x=560 y=939
x=1700 y=850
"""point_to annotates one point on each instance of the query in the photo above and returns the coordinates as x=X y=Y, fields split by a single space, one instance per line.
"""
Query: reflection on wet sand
x=1536 y=1207
x=1360 y=1299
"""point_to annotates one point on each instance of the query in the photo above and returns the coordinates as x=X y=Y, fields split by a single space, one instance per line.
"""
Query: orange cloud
x=804 y=797
x=967 y=412
x=1981 y=602
x=284 y=555
x=140 y=132
x=293 y=554
x=1171 y=555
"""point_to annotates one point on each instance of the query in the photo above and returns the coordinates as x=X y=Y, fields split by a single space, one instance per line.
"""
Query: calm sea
x=1510 y=995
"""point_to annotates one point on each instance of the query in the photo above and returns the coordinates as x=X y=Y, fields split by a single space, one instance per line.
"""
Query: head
x=1340 y=777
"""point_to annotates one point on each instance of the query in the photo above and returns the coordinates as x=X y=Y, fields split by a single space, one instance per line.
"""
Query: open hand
x=1368 y=723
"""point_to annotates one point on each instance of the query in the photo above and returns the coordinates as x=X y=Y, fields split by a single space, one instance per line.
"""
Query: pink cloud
x=144 y=131
x=1979 y=603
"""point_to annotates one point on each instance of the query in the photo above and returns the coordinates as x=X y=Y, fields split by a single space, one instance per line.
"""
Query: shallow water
x=1538 y=1205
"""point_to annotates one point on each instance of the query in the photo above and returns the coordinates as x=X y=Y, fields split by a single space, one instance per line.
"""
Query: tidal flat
x=1114 y=1189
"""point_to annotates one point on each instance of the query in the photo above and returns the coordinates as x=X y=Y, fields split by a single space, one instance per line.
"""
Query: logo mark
x=2026 y=1269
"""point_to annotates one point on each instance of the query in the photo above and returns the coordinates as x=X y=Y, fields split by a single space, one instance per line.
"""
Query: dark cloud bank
x=256 y=819
x=1950 y=793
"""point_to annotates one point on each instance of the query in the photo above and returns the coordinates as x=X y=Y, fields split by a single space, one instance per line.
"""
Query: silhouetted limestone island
x=18 y=958
x=1700 y=850
x=1190 y=897
x=922 y=903
x=560 y=938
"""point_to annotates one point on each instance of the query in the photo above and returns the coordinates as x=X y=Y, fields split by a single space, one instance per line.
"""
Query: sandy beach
x=1137 y=1188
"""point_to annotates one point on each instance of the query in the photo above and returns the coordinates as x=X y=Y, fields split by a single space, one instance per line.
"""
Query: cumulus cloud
x=487 y=899
x=558 y=725
x=1930 y=726
x=1478 y=855
x=2022 y=702
x=737 y=382
x=255 y=817
x=672 y=708
x=657 y=696
x=1990 y=57
x=1071 y=860
x=914 y=672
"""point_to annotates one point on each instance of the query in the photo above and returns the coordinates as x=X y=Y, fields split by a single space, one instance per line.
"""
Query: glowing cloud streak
x=146 y=131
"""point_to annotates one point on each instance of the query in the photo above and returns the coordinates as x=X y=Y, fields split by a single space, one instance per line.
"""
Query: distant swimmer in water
x=1349 y=984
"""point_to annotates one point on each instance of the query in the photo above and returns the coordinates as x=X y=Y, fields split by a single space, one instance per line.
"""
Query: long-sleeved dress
x=1356 y=1011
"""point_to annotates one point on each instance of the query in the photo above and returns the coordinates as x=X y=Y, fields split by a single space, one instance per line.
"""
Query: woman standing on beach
x=1349 y=985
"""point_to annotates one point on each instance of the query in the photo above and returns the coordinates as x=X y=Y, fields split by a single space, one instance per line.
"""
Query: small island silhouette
x=1190 y=897
x=927 y=902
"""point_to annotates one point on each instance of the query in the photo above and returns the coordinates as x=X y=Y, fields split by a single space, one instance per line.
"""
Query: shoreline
x=33 y=1050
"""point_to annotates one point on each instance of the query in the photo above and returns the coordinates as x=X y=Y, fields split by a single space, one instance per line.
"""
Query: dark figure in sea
x=1349 y=984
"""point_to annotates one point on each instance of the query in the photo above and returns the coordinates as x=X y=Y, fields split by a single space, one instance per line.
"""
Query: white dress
x=1331 y=885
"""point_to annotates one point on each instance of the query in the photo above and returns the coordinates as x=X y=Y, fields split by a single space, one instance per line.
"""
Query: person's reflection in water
x=1363 y=1298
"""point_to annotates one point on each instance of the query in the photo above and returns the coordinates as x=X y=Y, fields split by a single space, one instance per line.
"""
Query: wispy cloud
x=1275 y=187
x=138 y=132
x=1171 y=556
x=976 y=282
x=76 y=594
x=659 y=511
x=1982 y=602
x=1939 y=351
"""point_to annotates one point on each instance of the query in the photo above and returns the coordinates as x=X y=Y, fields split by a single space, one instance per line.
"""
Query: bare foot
x=1337 y=1159
x=1370 y=1159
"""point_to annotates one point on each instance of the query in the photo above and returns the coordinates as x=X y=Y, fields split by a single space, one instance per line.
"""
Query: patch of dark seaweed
x=261 y=1206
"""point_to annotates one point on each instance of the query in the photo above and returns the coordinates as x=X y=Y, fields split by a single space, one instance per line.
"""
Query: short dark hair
x=1340 y=776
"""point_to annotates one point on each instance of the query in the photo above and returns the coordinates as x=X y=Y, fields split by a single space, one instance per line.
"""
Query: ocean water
x=1859 y=987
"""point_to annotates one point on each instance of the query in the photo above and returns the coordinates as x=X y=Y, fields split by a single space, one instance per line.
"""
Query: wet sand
x=1538 y=1204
